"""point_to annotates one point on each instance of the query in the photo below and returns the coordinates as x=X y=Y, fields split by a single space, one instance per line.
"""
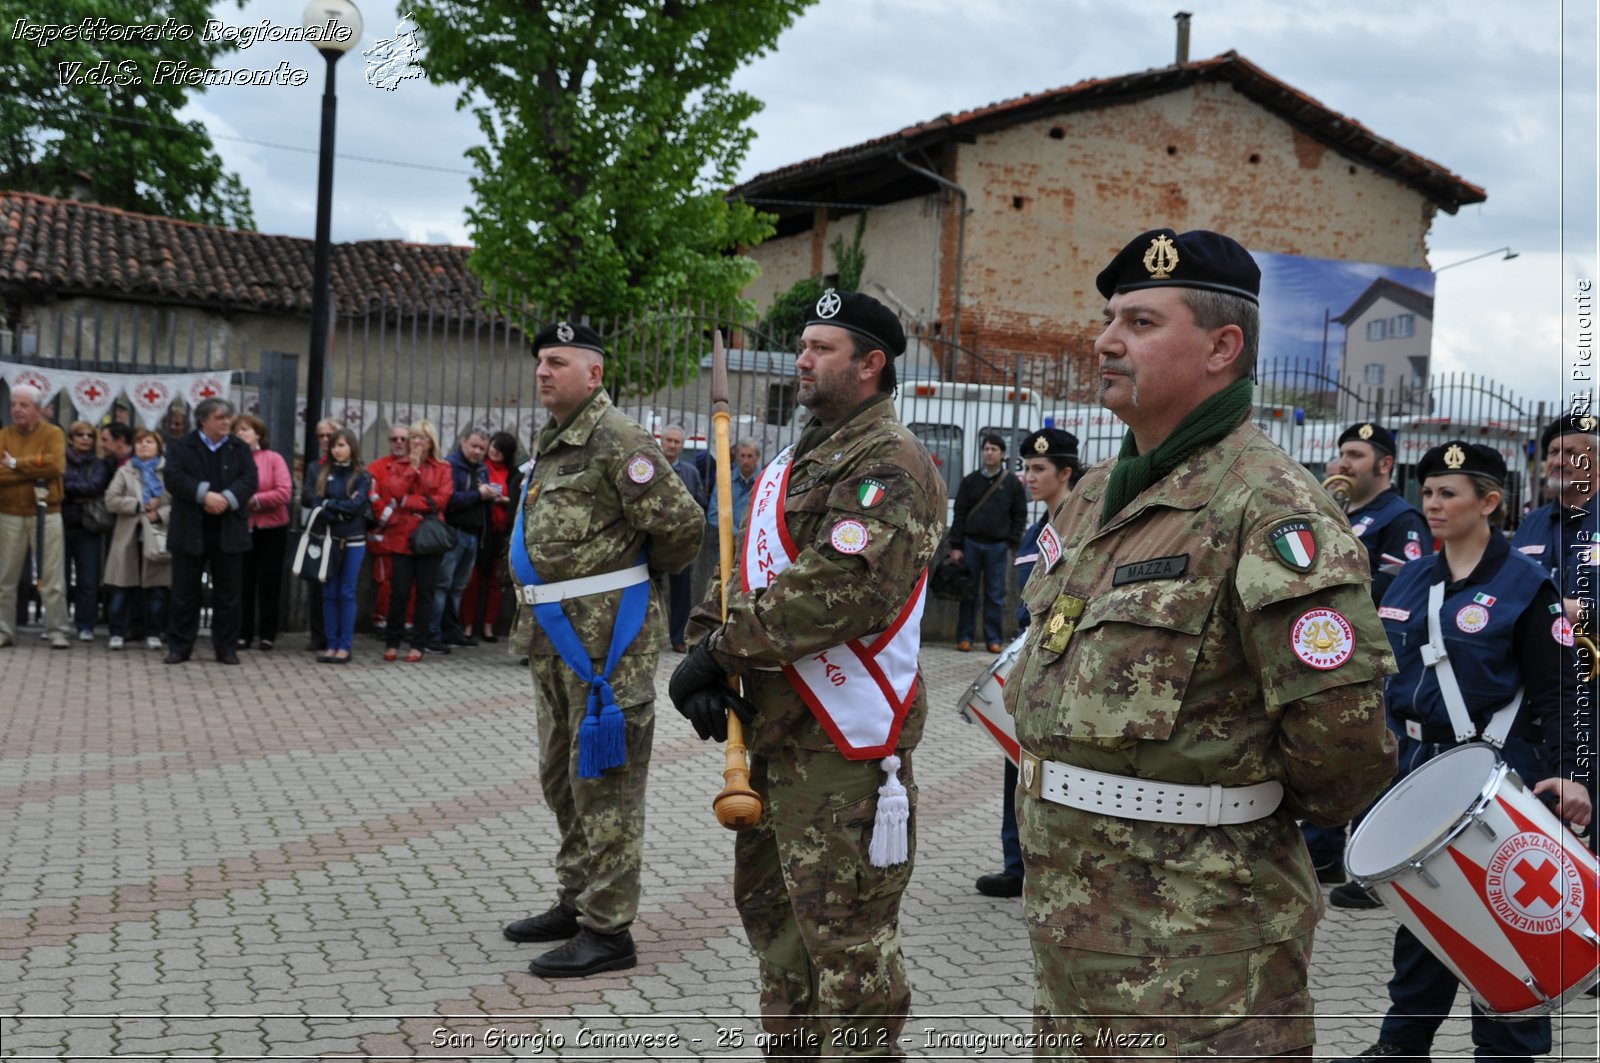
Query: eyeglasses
x=83 y=435
x=398 y=439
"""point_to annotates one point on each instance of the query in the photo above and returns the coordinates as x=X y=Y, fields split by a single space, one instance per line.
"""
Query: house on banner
x=986 y=228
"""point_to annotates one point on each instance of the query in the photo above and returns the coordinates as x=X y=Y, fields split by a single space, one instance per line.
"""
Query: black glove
x=707 y=710
x=697 y=671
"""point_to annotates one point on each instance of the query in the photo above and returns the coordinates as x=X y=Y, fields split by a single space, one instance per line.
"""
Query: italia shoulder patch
x=641 y=470
x=1323 y=639
x=1294 y=544
x=871 y=492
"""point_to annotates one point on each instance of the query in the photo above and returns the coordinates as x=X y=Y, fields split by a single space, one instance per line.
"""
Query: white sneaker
x=152 y=643
x=60 y=642
x=116 y=642
x=85 y=635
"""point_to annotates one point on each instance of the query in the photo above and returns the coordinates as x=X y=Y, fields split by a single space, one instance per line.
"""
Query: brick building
x=986 y=228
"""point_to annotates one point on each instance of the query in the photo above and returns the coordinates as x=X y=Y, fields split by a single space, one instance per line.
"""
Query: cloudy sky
x=1501 y=94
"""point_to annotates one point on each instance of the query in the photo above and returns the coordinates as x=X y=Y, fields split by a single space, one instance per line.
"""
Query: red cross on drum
x=1486 y=877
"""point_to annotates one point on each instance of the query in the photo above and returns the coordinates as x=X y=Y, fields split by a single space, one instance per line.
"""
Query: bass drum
x=984 y=701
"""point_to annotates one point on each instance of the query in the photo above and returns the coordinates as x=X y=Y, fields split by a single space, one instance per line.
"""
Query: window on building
x=1374 y=374
x=1403 y=325
x=1378 y=328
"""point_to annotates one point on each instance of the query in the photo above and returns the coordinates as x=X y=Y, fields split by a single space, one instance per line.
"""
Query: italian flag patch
x=1294 y=544
x=871 y=492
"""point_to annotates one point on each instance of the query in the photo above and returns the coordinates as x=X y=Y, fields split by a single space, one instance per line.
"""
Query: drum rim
x=1441 y=841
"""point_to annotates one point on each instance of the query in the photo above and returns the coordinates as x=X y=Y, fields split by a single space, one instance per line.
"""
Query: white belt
x=1161 y=802
x=545 y=593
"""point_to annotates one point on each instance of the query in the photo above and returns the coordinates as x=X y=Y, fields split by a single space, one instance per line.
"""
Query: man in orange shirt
x=33 y=461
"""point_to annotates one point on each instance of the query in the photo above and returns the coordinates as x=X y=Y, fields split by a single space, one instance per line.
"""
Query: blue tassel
x=589 y=765
x=613 y=737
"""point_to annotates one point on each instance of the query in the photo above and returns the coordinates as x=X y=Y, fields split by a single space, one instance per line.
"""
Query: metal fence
x=463 y=370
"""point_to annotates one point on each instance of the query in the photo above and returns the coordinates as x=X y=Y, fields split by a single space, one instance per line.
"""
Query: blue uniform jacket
x=1559 y=540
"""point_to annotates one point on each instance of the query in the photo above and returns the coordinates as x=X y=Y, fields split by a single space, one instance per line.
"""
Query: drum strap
x=1435 y=657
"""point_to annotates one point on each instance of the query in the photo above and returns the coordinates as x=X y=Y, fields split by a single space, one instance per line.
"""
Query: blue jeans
x=455 y=572
x=987 y=563
x=155 y=609
x=83 y=572
x=339 y=595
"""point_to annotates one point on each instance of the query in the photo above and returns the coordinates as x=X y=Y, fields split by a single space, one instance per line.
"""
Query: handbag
x=312 y=555
x=433 y=536
x=95 y=517
x=155 y=540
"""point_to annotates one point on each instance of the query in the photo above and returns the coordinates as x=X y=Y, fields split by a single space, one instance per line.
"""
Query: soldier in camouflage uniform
x=600 y=494
x=817 y=881
x=1204 y=665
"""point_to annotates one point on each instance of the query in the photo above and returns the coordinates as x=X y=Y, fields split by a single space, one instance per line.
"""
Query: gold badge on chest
x=1062 y=623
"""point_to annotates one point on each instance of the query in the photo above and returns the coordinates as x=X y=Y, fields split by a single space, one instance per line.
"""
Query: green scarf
x=1206 y=424
x=816 y=432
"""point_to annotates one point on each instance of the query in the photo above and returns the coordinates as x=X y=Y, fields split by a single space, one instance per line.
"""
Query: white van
x=951 y=419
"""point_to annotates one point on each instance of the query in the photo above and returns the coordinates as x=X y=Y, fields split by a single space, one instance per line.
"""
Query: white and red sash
x=859 y=691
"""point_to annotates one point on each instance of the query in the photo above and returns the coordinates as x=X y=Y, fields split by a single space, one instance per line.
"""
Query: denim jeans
x=339 y=595
x=83 y=572
x=987 y=563
x=455 y=569
x=155 y=609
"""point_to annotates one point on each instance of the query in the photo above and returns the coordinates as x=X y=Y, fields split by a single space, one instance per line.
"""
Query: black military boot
x=1352 y=895
x=559 y=922
x=588 y=953
x=1385 y=1050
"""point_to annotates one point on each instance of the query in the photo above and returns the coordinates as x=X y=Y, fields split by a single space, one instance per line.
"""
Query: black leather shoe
x=1331 y=874
x=1353 y=896
x=227 y=657
x=436 y=647
x=558 y=923
x=588 y=953
x=465 y=640
x=1385 y=1050
x=176 y=657
x=1000 y=884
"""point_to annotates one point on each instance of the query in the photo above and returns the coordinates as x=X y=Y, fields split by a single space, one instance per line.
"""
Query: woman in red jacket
x=404 y=495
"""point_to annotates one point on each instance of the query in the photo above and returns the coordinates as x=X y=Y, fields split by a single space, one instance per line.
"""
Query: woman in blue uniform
x=1503 y=629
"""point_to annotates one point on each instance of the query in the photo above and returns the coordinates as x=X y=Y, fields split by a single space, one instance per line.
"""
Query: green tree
x=611 y=134
x=786 y=318
x=95 y=115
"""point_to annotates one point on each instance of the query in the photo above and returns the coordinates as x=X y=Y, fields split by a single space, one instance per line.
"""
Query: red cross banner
x=45 y=381
x=150 y=394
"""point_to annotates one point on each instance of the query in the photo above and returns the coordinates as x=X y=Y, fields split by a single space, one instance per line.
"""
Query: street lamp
x=1509 y=254
x=337 y=25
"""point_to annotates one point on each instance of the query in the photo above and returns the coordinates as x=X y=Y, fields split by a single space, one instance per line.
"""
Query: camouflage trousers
x=601 y=820
x=824 y=923
x=1251 y=1004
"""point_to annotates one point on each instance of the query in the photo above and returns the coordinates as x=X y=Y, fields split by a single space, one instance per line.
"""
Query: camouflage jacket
x=596 y=497
x=1174 y=644
x=825 y=597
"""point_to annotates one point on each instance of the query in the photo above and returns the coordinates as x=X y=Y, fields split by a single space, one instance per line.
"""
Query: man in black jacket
x=211 y=475
x=991 y=512
x=468 y=513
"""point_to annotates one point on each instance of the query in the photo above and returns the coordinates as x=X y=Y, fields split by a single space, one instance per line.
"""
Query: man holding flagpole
x=601 y=507
x=823 y=628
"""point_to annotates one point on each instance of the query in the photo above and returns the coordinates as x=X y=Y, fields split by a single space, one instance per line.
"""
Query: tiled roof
x=58 y=247
x=849 y=172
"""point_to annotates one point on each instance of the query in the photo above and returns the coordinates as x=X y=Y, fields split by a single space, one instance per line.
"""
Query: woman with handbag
x=409 y=498
x=84 y=517
x=138 y=564
x=480 y=602
x=339 y=491
x=262 y=589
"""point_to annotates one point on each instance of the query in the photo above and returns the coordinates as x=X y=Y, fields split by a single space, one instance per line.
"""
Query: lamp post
x=338 y=24
x=1508 y=254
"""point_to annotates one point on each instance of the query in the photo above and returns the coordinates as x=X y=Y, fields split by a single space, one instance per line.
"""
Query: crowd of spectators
x=136 y=530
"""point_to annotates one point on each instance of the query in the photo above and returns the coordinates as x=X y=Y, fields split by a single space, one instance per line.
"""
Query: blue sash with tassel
x=602 y=739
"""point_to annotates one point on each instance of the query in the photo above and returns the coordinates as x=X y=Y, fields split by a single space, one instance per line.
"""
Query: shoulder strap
x=989 y=493
x=1435 y=657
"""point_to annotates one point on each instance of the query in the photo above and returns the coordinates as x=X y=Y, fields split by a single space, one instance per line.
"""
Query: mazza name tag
x=1155 y=568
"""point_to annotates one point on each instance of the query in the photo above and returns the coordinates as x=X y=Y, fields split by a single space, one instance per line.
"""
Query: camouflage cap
x=863 y=315
x=1370 y=432
x=1459 y=456
x=1586 y=423
x=567 y=334
x=1163 y=258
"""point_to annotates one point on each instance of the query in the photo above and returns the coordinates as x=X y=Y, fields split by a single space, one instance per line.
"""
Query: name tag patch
x=1538 y=548
x=1391 y=612
x=1155 y=568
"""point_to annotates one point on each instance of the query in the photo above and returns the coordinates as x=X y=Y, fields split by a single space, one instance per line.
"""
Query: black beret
x=1371 y=432
x=1586 y=423
x=1471 y=459
x=863 y=315
x=1050 y=443
x=1162 y=258
x=567 y=334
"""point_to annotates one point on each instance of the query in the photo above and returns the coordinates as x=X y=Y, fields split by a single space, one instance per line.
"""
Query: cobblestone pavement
x=291 y=860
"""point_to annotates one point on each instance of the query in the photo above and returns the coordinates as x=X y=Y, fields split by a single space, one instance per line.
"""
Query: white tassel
x=889 y=831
